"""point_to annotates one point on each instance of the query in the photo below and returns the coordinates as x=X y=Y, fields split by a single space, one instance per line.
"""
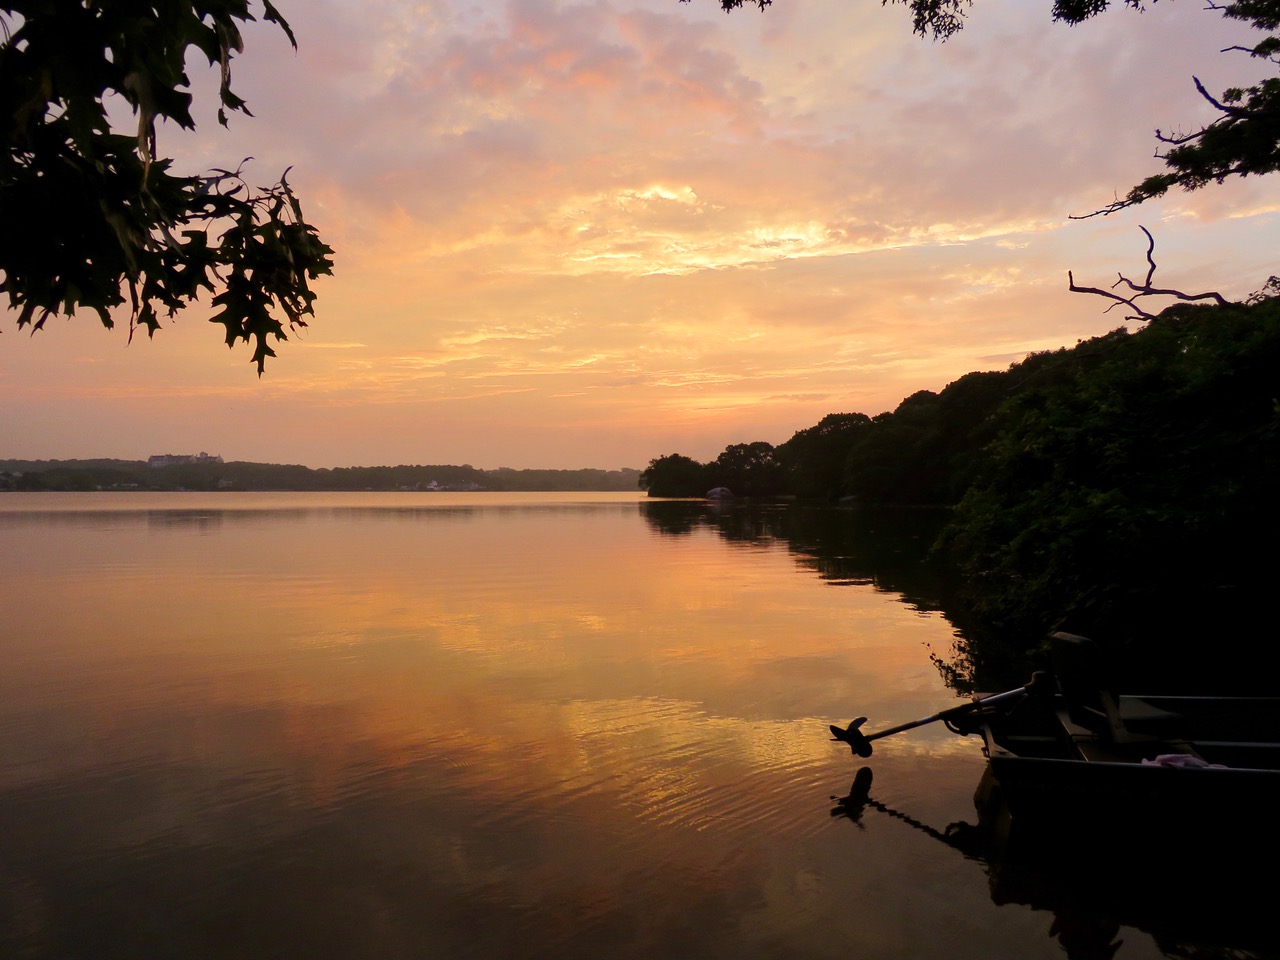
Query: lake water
x=474 y=725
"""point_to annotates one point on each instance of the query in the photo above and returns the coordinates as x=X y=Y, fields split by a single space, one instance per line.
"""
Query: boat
x=1069 y=760
x=1152 y=812
x=1075 y=759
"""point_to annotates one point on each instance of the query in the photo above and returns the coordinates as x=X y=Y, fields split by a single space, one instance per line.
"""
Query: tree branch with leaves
x=95 y=219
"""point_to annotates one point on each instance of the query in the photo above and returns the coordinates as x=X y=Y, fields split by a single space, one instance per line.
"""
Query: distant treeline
x=1127 y=488
x=137 y=475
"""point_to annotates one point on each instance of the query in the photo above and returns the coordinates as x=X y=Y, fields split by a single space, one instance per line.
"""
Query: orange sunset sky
x=588 y=234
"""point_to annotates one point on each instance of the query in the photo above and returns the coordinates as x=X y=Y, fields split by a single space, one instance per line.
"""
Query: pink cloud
x=705 y=228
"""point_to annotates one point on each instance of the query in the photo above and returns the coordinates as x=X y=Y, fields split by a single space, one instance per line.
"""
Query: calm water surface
x=472 y=725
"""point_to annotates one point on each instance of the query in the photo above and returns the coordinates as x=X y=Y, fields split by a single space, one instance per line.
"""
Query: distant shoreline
x=138 y=476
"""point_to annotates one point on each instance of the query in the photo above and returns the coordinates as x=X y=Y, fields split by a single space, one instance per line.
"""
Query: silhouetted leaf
x=102 y=214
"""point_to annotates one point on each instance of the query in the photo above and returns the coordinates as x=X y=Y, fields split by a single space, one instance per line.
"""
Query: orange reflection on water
x=508 y=632
x=552 y=711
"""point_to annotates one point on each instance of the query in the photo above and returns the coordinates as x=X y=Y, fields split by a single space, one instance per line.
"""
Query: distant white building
x=170 y=459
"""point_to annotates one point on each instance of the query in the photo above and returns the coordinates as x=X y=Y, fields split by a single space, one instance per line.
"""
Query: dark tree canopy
x=748 y=469
x=1243 y=140
x=94 y=218
x=814 y=458
x=674 y=475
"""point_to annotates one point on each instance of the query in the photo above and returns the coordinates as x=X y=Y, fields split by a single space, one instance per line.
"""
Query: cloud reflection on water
x=532 y=732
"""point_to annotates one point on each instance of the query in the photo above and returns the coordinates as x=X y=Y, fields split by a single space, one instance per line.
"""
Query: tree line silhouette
x=1125 y=487
x=56 y=475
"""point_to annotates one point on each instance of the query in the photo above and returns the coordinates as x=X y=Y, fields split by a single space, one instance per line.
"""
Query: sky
x=588 y=234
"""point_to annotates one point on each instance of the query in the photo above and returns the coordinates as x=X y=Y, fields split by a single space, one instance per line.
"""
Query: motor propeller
x=854 y=737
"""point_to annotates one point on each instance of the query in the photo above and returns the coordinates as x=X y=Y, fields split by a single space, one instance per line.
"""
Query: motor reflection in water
x=1193 y=902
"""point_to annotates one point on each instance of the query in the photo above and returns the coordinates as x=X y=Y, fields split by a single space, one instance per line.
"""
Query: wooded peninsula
x=1125 y=488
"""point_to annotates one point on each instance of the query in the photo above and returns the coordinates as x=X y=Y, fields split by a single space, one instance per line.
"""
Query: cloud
x=651 y=221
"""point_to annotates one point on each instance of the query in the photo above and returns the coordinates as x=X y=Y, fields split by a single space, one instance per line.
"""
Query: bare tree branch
x=1251 y=51
x=1098 y=291
x=1143 y=290
x=1229 y=110
x=1112 y=207
x=1176 y=140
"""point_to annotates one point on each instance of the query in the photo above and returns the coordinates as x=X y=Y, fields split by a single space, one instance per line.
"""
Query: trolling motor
x=860 y=743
